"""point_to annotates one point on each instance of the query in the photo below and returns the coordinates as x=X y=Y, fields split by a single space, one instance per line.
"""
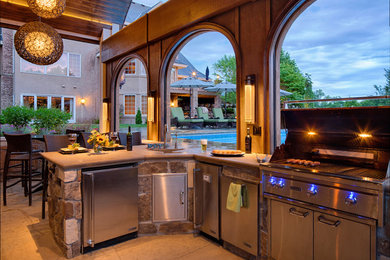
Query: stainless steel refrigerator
x=110 y=209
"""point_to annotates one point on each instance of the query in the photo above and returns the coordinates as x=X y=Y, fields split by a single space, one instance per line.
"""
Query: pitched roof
x=136 y=11
x=187 y=71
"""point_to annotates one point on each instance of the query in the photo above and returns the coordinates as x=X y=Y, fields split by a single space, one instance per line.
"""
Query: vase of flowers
x=97 y=140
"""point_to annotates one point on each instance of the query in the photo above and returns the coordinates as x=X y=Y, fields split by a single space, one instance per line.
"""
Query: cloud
x=344 y=45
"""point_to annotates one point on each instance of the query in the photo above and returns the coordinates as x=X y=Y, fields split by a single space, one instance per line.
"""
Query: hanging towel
x=233 y=201
x=244 y=196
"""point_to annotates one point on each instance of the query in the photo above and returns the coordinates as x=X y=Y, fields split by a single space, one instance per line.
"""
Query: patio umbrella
x=284 y=93
x=191 y=83
x=223 y=87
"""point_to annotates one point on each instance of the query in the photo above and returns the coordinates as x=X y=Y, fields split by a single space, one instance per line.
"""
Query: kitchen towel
x=233 y=201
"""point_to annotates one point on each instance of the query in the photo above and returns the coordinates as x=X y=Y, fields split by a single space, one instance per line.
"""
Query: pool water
x=225 y=138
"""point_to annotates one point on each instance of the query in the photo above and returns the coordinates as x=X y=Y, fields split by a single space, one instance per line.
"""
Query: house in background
x=75 y=76
x=133 y=89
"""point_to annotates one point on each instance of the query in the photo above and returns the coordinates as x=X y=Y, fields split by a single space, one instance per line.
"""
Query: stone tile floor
x=24 y=235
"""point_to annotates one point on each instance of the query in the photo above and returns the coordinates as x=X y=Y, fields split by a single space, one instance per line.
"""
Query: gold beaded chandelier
x=38 y=43
x=47 y=8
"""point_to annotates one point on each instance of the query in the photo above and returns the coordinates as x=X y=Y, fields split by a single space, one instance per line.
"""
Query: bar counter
x=65 y=199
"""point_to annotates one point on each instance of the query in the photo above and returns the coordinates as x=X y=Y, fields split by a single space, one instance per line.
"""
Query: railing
x=286 y=103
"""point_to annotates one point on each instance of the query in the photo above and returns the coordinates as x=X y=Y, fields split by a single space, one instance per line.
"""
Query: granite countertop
x=140 y=153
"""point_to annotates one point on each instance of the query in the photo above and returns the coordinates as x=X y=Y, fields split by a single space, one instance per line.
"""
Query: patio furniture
x=178 y=119
x=53 y=143
x=217 y=112
x=214 y=122
x=20 y=150
x=85 y=137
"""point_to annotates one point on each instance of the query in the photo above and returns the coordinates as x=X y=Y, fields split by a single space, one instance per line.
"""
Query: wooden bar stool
x=19 y=149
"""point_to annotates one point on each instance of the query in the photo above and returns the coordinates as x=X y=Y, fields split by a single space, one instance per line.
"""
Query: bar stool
x=19 y=149
x=52 y=143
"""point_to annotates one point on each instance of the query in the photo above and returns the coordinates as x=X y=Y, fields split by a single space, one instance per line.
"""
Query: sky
x=344 y=46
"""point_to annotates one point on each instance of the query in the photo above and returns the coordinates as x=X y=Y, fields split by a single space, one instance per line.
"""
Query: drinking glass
x=114 y=136
x=72 y=138
x=203 y=143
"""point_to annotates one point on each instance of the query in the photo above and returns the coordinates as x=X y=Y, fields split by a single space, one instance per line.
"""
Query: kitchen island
x=65 y=199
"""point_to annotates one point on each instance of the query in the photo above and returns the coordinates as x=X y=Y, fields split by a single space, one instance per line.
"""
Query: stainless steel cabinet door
x=207 y=189
x=291 y=232
x=169 y=196
x=240 y=229
x=110 y=204
x=337 y=238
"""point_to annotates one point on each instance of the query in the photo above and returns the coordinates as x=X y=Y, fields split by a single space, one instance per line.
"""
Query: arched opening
x=200 y=91
x=329 y=54
x=131 y=88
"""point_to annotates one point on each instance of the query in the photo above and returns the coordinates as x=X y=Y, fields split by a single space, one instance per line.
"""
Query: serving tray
x=113 y=148
x=70 y=151
x=228 y=155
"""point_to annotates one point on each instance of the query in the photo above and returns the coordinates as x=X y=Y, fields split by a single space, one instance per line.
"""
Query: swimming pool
x=226 y=138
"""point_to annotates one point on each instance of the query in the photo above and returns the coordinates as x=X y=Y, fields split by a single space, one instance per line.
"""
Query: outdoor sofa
x=178 y=119
x=217 y=112
x=214 y=122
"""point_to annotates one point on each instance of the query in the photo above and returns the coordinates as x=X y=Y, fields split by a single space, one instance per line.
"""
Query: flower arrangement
x=97 y=140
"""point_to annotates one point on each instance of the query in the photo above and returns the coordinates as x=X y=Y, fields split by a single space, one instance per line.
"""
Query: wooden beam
x=165 y=20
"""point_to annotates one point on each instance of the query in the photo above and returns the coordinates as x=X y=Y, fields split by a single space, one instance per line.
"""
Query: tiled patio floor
x=24 y=235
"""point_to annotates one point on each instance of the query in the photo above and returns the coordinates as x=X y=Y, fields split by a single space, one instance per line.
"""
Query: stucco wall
x=87 y=86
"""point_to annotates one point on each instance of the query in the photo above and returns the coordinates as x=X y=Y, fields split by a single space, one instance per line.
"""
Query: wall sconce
x=250 y=99
x=150 y=109
x=82 y=101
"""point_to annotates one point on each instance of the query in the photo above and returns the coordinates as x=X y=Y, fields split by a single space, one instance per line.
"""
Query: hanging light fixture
x=38 y=43
x=47 y=8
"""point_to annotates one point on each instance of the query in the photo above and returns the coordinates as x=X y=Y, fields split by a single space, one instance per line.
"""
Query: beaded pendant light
x=38 y=43
x=47 y=8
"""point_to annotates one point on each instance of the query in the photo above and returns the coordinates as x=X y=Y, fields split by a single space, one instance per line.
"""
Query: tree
x=226 y=68
x=207 y=73
x=138 y=117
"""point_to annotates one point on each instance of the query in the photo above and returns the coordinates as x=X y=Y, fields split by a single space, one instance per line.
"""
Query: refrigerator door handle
x=92 y=213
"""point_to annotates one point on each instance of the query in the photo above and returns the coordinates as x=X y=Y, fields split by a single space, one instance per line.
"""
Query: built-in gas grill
x=333 y=170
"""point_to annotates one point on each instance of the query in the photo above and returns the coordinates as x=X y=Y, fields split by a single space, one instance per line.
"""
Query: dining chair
x=80 y=139
x=20 y=150
x=85 y=137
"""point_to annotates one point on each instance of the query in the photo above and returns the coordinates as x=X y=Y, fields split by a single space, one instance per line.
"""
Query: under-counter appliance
x=110 y=203
x=240 y=228
x=326 y=184
x=206 y=183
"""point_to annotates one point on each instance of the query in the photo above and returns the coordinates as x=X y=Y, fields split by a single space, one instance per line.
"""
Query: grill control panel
x=322 y=195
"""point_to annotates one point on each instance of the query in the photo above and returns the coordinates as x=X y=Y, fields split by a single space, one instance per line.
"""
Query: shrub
x=18 y=116
x=138 y=117
x=47 y=119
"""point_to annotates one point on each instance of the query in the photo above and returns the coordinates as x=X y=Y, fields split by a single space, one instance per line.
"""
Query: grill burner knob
x=351 y=199
x=280 y=183
x=272 y=181
x=313 y=190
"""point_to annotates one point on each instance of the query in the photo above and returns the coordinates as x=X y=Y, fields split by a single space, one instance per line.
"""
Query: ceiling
x=82 y=20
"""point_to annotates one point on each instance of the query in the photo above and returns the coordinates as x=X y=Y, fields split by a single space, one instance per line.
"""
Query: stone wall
x=6 y=69
x=65 y=209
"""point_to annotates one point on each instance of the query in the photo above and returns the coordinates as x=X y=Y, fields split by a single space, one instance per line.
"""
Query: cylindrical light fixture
x=250 y=99
x=47 y=8
x=150 y=109
x=38 y=43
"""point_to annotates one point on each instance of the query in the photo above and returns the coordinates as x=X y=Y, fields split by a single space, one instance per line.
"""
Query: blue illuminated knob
x=313 y=190
x=281 y=183
x=272 y=181
x=351 y=198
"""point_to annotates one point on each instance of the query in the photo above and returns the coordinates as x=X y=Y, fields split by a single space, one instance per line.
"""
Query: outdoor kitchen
x=303 y=179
